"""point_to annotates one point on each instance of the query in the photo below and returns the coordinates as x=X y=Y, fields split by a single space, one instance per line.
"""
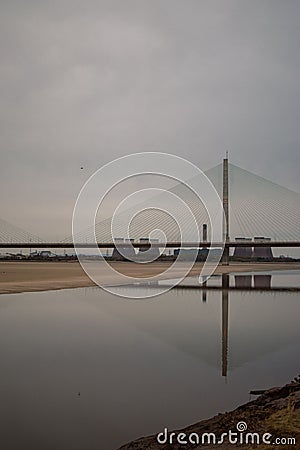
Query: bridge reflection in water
x=227 y=284
x=244 y=281
x=223 y=286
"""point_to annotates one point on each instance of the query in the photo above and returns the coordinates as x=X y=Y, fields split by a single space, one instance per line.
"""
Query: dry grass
x=284 y=422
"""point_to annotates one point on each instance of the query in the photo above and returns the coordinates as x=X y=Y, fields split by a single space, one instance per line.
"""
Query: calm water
x=139 y=365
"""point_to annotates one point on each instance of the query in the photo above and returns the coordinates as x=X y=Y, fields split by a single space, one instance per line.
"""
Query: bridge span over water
x=253 y=207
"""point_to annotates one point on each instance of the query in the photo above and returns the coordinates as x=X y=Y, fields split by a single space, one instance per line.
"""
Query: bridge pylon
x=225 y=258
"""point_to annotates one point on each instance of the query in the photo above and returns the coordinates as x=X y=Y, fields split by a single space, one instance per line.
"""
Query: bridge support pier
x=225 y=256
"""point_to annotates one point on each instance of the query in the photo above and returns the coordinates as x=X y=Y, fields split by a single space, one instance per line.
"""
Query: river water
x=82 y=369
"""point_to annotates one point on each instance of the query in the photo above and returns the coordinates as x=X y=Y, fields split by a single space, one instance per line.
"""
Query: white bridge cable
x=258 y=207
x=12 y=234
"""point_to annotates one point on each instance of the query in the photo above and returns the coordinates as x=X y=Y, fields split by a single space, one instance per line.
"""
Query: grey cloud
x=84 y=82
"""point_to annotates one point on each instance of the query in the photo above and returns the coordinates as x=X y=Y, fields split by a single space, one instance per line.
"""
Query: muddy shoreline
x=16 y=277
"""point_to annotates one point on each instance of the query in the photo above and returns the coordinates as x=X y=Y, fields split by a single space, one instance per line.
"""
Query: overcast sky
x=83 y=82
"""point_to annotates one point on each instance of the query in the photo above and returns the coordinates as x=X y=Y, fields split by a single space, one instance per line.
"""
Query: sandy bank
x=25 y=276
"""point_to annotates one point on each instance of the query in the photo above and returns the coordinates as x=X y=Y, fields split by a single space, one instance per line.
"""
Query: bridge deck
x=154 y=244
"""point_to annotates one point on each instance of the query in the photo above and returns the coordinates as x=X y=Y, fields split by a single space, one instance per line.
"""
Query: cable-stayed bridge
x=257 y=208
x=11 y=234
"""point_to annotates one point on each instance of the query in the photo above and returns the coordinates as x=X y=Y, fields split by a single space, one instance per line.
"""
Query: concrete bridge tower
x=225 y=258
